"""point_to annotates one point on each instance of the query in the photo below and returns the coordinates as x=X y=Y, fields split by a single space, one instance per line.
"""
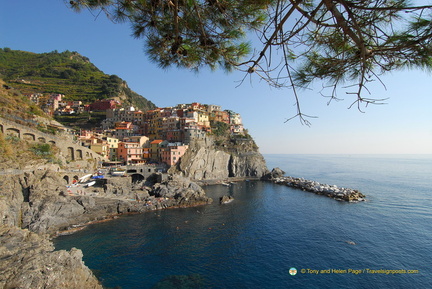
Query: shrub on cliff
x=6 y=148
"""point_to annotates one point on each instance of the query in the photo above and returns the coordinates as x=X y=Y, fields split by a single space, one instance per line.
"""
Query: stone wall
x=69 y=149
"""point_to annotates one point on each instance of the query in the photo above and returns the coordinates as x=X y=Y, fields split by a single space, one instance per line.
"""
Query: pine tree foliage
x=347 y=44
x=188 y=33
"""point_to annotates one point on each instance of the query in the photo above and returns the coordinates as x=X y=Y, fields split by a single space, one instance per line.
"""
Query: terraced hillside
x=67 y=73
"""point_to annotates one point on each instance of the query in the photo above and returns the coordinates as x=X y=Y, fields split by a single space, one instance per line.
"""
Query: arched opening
x=13 y=132
x=66 y=178
x=29 y=137
x=51 y=142
x=41 y=139
x=79 y=154
x=137 y=178
x=70 y=154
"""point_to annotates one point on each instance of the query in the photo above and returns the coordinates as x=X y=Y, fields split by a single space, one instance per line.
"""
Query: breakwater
x=331 y=191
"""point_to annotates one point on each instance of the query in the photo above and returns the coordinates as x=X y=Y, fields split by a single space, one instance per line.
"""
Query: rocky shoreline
x=28 y=260
x=36 y=206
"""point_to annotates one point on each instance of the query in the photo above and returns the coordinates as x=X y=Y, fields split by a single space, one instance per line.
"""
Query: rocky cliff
x=40 y=201
x=206 y=159
x=28 y=260
x=36 y=204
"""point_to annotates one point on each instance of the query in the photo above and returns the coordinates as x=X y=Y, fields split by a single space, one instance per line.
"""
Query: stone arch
x=13 y=132
x=79 y=154
x=51 y=142
x=136 y=178
x=66 y=178
x=75 y=179
x=41 y=139
x=29 y=136
x=70 y=154
x=1 y=128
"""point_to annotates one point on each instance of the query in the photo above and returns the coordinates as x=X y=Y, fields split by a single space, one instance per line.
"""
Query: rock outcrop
x=274 y=174
x=41 y=202
x=226 y=199
x=28 y=261
x=206 y=161
x=34 y=205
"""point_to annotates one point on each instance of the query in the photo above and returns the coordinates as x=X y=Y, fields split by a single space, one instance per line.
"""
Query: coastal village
x=129 y=136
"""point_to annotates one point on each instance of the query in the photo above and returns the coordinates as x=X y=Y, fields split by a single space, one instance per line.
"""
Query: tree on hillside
x=345 y=43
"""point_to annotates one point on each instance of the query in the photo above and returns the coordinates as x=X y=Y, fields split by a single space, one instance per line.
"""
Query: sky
x=402 y=126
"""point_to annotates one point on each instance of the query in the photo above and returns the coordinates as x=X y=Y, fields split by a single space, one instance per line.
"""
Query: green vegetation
x=7 y=145
x=225 y=140
x=14 y=104
x=346 y=45
x=41 y=149
x=29 y=153
x=85 y=120
x=220 y=128
x=67 y=73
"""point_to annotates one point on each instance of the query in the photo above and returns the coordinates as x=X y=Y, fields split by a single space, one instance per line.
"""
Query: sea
x=273 y=236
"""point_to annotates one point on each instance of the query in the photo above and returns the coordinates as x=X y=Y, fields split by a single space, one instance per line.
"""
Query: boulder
x=226 y=199
x=182 y=190
x=274 y=174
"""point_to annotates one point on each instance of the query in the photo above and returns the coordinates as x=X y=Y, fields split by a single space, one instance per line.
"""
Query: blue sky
x=402 y=126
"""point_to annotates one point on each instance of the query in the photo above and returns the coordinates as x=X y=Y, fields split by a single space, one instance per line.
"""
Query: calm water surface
x=255 y=240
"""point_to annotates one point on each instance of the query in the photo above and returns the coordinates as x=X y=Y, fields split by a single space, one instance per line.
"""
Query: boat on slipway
x=84 y=178
x=89 y=184
x=117 y=172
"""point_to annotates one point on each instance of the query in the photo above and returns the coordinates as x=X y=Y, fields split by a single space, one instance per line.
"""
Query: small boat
x=117 y=172
x=84 y=178
x=90 y=184
x=98 y=177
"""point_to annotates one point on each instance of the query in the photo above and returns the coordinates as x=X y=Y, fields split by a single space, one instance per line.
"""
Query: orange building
x=130 y=152
x=155 y=147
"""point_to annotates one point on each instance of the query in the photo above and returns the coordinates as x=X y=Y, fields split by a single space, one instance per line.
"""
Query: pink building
x=172 y=153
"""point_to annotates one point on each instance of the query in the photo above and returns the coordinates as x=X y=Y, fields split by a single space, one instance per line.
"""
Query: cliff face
x=29 y=261
x=39 y=201
x=204 y=160
x=36 y=203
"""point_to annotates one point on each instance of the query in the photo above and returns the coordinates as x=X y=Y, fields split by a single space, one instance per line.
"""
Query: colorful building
x=130 y=152
x=172 y=153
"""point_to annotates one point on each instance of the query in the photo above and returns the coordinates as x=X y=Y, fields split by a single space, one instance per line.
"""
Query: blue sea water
x=268 y=229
